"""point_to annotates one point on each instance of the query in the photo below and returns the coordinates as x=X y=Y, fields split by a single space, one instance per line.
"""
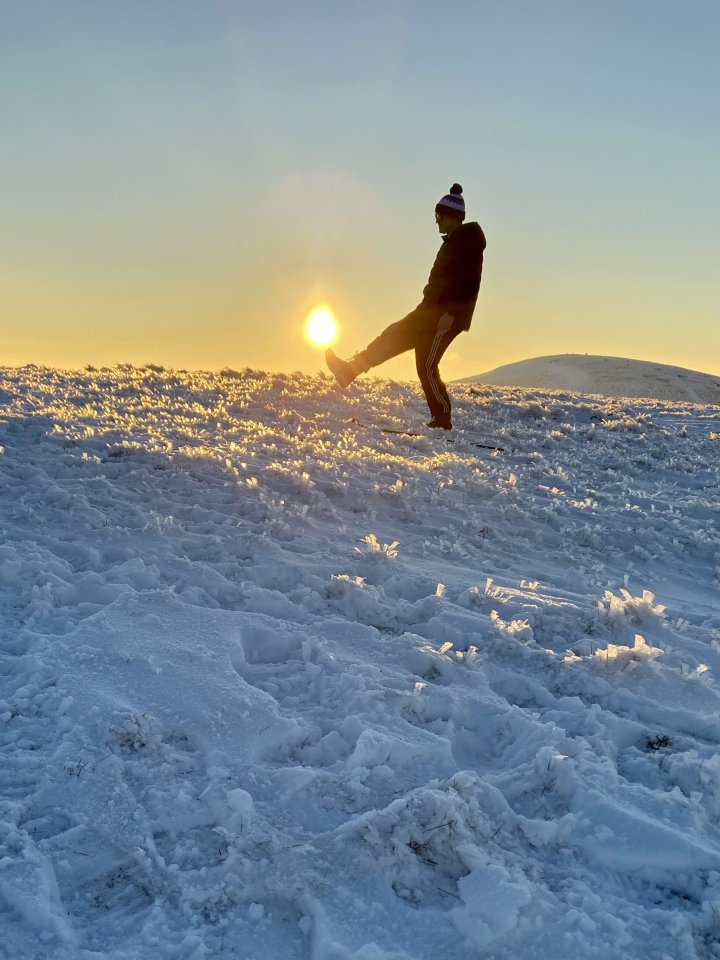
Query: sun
x=321 y=327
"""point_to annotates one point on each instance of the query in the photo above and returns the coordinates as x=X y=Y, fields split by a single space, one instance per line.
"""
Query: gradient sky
x=182 y=181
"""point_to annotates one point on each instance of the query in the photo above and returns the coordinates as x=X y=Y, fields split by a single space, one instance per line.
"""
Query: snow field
x=275 y=684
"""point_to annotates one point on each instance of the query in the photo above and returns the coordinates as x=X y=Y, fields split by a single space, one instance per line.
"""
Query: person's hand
x=445 y=323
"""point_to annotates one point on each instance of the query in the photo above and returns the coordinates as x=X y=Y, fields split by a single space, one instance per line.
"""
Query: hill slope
x=275 y=684
x=609 y=376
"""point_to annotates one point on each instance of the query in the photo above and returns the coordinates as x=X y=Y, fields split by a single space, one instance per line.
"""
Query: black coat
x=454 y=280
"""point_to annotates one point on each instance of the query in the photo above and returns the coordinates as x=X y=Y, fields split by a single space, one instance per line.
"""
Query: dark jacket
x=454 y=280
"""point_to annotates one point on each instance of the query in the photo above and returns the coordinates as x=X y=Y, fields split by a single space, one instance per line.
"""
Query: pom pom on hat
x=452 y=204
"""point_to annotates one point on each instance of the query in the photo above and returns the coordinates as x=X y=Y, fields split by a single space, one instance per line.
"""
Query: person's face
x=445 y=223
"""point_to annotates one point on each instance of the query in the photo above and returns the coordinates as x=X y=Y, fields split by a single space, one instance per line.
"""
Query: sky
x=184 y=181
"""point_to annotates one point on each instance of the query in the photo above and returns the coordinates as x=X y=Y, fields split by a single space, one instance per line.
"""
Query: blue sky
x=185 y=180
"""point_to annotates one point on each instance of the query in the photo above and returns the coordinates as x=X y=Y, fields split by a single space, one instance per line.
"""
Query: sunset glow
x=321 y=327
x=230 y=166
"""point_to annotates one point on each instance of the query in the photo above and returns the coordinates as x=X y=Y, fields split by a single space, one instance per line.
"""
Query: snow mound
x=608 y=376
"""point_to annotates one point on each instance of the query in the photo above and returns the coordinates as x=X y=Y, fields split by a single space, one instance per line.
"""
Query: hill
x=276 y=684
x=608 y=376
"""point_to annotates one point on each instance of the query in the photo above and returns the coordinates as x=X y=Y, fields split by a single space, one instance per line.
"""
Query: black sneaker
x=441 y=423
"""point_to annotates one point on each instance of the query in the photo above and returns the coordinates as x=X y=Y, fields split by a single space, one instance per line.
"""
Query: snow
x=608 y=376
x=274 y=684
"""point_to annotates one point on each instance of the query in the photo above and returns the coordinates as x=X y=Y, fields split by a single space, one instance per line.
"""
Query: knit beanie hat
x=452 y=204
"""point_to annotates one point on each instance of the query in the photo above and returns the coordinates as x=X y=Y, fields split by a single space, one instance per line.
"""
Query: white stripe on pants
x=435 y=387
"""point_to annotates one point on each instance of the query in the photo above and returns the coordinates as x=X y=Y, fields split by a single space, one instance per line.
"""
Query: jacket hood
x=468 y=234
x=474 y=231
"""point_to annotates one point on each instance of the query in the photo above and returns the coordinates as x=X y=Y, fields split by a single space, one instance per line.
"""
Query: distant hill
x=609 y=376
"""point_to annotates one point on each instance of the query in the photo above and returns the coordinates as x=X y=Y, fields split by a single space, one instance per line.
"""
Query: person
x=445 y=311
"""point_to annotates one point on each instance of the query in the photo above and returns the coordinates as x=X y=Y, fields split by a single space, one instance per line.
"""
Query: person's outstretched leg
x=428 y=354
x=394 y=340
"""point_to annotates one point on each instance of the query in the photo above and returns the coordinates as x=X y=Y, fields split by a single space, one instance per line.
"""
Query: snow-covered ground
x=609 y=376
x=275 y=684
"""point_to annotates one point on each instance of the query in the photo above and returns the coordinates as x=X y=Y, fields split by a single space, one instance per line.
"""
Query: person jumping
x=445 y=311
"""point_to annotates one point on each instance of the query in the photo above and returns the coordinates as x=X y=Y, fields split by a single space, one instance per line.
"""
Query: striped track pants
x=419 y=332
